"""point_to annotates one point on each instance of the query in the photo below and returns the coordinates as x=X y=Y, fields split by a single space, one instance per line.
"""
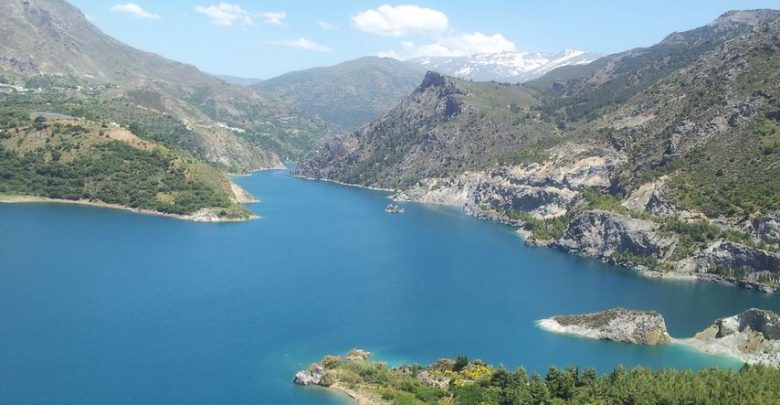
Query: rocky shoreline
x=632 y=231
x=752 y=336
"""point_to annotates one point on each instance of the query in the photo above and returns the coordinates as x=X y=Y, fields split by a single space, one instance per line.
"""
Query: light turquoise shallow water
x=100 y=306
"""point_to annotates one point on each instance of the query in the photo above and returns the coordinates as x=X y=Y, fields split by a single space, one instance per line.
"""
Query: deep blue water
x=100 y=306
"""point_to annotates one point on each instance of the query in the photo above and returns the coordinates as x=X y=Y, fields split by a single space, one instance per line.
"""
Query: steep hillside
x=52 y=42
x=349 y=94
x=445 y=127
x=664 y=159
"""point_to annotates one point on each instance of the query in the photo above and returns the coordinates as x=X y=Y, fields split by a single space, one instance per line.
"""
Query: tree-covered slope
x=60 y=157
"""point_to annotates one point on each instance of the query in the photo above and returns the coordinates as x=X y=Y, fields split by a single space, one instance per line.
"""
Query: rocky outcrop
x=738 y=260
x=602 y=234
x=766 y=228
x=753 y=336
x=315 y=375
x=619 y=325
x=544 y=190
x=650 y=199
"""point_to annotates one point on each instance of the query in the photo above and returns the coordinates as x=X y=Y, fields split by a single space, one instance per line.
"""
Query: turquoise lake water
x=100 y=306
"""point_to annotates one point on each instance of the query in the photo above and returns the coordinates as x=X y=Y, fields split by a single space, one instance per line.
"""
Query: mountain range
x=663 y=158
x=510 y=67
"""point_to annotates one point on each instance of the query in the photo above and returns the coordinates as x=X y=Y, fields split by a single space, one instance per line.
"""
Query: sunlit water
x=100 y=306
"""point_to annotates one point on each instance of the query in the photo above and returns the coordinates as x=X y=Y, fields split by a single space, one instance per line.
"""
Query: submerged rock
x=619 y=325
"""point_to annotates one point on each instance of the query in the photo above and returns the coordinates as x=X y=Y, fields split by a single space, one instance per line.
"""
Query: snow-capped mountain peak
x=505 y=66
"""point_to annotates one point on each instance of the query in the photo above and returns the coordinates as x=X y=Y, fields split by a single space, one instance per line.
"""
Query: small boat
x=394 y=209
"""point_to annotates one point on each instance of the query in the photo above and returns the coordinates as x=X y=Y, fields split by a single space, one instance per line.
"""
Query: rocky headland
x=619 y=325
x=752 y=336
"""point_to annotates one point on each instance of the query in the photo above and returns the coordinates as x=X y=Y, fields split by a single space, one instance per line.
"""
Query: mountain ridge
x=349 y=94
x=661 y=159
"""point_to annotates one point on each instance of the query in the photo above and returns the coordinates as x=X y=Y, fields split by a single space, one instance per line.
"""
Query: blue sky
x=264 y=38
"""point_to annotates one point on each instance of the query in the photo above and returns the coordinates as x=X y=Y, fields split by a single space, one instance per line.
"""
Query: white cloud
x=301 y=43
x=135 y=10
x=226 y=14
x=460 y=45
x=389 y=54
x=274 y=17
x=324 y=25
x=399 y=21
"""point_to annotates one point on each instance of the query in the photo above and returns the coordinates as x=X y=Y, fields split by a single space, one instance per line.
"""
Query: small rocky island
x=752 y=336
x=394 y=209
x=619 y=325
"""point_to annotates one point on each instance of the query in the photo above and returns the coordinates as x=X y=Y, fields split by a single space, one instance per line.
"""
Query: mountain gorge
x=662 y=159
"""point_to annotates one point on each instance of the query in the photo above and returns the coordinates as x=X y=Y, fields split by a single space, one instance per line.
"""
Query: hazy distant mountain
x=226 y=124
x=241 y=81
x=349 y=94
x=510 y=67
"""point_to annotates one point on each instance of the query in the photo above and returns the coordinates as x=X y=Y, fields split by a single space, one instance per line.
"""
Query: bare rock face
x=649 y=198
x=766 y=228
x=734 y=256
x=619 y=325
x=753 y=336
x=602 y=233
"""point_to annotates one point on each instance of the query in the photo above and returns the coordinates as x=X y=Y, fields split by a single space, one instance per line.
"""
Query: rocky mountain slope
x=506 y=67
x=49 y=43
x=663 y=159
x=349 y=94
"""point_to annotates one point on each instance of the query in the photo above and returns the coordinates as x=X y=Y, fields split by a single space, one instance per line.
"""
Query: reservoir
x=103 y=306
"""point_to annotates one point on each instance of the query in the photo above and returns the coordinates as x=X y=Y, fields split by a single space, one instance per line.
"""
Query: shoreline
x=357 y=397
x=29 y=199
x=553 y=326
x=387 y=190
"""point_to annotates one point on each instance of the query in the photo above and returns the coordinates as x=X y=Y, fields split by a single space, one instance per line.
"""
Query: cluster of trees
x=474 y=382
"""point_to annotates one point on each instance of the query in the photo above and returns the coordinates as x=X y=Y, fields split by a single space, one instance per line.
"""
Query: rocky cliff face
x=729 y=256
x=753 y=336
x=603 y=234
x=619 y=325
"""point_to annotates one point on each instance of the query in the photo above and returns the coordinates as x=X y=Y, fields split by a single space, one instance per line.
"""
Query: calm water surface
x=100 y=306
